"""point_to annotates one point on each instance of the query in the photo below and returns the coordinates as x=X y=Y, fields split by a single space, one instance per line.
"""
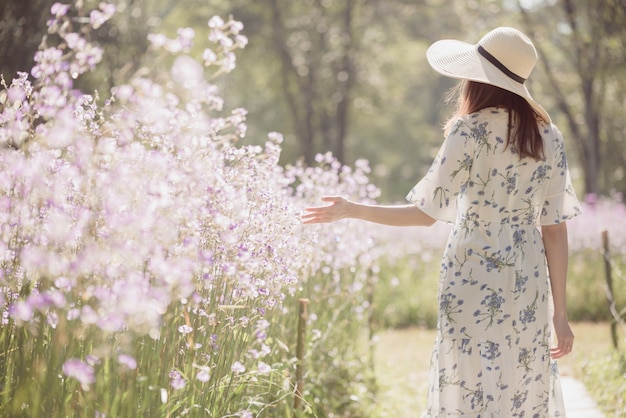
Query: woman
x=500 y=174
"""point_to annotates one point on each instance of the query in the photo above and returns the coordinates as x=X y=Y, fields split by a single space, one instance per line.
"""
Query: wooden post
x=302 y=319
x=371 y=320
x=609 y=286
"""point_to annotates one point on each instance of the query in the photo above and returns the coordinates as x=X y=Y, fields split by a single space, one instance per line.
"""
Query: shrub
x=605 y=378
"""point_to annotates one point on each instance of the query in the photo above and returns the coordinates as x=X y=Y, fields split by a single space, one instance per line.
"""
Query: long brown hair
x=523 y=130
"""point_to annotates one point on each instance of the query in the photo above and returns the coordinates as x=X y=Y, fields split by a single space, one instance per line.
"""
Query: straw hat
x=504 y=57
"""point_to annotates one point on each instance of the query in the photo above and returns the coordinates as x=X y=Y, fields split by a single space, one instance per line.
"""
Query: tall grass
x=604 y=375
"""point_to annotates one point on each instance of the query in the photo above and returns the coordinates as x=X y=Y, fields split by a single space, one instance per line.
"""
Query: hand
x=564 y=337
x=338 y=209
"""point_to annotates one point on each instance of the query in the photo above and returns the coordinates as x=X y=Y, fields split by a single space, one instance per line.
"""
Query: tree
x=346 y=77
x=583 y=58
x=310 y=47
x=22 y=26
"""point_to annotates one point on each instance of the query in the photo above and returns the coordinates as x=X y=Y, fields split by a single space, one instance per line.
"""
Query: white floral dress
x=491 y=357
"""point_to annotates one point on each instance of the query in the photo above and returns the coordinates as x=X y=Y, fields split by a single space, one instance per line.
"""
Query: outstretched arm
x=340 y=208
x=555 y=244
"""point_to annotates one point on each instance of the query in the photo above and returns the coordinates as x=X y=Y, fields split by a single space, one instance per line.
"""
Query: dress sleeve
x=561 y=202
x=436 y=194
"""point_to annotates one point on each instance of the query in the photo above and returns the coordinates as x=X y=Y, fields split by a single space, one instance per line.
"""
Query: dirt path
x=578 y=403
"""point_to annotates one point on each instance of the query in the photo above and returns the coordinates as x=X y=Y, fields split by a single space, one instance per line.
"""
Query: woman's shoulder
x=490 y=117
x=501 y=115
x=484 y=115
x=552 y=137
x=548 y=128
x=550 y=133
x=491 y=112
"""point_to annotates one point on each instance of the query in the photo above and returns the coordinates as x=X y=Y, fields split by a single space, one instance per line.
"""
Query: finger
x=314 y=221
x=332 y=199
x=566 y=344
x=556 y=353
x=560 y=351
x=313 y=218
x=309 y=216
x=316 y=209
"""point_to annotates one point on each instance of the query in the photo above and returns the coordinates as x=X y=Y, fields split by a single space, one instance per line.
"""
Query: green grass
x=402 y=362
x=406 y=294
x=605 y=379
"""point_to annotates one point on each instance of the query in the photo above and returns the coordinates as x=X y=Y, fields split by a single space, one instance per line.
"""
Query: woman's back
x=501 y=187
x=488 y=182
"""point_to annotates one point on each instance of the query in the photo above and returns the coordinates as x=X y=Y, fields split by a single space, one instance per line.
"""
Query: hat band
x=482 y=51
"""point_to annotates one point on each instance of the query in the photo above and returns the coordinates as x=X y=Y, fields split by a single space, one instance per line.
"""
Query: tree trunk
x=586 y=62
x=345 y=80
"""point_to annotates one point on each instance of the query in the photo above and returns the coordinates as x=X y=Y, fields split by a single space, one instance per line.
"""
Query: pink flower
x=177 y=382
x=21 y=311
x=238 y=368
x=209 y=56
x=128 y=361
x=80 y=371
x=98 y=17
x=157 y=40
x=59 y=9
x=264 y=368
x=216 y=22
x=16 y=94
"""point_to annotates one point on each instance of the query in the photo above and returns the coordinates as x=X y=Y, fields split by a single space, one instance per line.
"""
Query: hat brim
x=461 y=60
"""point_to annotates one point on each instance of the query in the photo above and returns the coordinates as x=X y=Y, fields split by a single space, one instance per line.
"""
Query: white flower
x=185 y=329
x=203 y=376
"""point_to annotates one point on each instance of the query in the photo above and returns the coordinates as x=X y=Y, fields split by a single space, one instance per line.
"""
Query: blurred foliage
x=406 y=293
x=22 y=25
x=582 y=73
x=351 y=76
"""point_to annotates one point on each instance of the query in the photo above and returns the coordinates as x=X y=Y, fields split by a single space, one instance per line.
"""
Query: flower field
x=151 y=265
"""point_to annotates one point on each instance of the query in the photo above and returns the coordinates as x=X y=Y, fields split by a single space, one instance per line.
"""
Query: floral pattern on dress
x=491 y=357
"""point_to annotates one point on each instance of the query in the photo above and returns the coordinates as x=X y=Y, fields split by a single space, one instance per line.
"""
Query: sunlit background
x=152 y=256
